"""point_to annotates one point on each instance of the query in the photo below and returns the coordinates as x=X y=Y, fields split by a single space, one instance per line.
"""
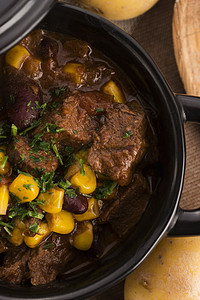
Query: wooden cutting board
x=186 y=39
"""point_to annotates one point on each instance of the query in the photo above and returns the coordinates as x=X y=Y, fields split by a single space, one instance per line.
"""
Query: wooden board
x=186 y=39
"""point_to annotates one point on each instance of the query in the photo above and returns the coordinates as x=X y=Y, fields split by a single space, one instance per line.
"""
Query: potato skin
x=171 y=271
x=118 y=9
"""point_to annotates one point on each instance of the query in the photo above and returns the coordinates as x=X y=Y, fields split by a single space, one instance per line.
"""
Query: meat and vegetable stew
x=77 y=157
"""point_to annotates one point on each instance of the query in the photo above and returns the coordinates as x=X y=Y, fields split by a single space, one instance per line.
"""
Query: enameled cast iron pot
x=163 y=215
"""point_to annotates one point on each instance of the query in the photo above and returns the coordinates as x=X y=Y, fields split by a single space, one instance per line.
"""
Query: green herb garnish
x=28 y=186
x=32 y=126
x=24 y=173
x=100 y=109
x=58 y=92
x=68 y=191
x=105 y=190
x=80 y=160
x=13 y=130
x=74 y=131
x=3 y=162
x=127 y=134
x=45 y=182
x=7 y=227
x=11 y=98
x=55 y=150
x=36 y=138
x=22 y=157
x=34 y=227
x=21 y=212
x=49 y=245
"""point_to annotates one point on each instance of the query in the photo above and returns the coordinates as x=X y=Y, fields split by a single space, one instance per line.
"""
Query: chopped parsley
x=60 y=129
x=70 y=192
x=69 y=149
x=35 y=159
x=22 y=157
x=80 y=160
x=7 y=227
x=45 y=182
x=28 y=186
x=49 y=245
x=74 y=131
x=11 y=98
x=55 y=150
x=32 y=126
x=13 y=130
x=127 y=134
x=34 y=227
x=36 y=202
x=3 y=162
x=21 y=212
x=42 y=107
x=42 y=145
x=58 y=92
x=105 y=190
x=50 y=127
x=15 y=199
x=64 y=184
x=36 y=138
x=24 y=173
x=29 y=103
x=99 y=110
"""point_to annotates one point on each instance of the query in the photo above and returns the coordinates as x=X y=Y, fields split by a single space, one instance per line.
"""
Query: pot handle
x=188 y=221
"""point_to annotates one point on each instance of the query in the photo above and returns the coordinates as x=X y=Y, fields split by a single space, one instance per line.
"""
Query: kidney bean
x=77 y=205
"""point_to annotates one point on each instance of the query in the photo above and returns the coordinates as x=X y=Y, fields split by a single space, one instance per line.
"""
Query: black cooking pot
x=163 y=215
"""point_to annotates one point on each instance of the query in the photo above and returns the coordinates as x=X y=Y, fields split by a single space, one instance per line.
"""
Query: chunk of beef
x=120 y=144
x=23 y=97
x=48 y=48
x=126 y=210
x=20 y=153
x=46 y=263
x=76 y=49
x=95 y=103
x=30 y=221
x=75 y=127
x=15 y=265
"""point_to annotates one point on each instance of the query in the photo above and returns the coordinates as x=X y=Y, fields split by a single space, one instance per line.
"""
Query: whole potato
x=119 y=9
x=171 y=272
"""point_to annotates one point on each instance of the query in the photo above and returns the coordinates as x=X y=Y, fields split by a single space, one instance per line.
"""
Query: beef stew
x=78 y=157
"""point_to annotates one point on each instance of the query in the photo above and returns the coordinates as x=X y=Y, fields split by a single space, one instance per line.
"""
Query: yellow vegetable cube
x=76 y=166
x=53 y=200
x=112 y=89
x=4 y=164
x=4 y=197
x=85 y=181
x=24 y=187
x=76 y=70
x=34 y=241
x=16 y=56
x=91 y=213
x=61 y=222
x=17 y=236
x=83 y=238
